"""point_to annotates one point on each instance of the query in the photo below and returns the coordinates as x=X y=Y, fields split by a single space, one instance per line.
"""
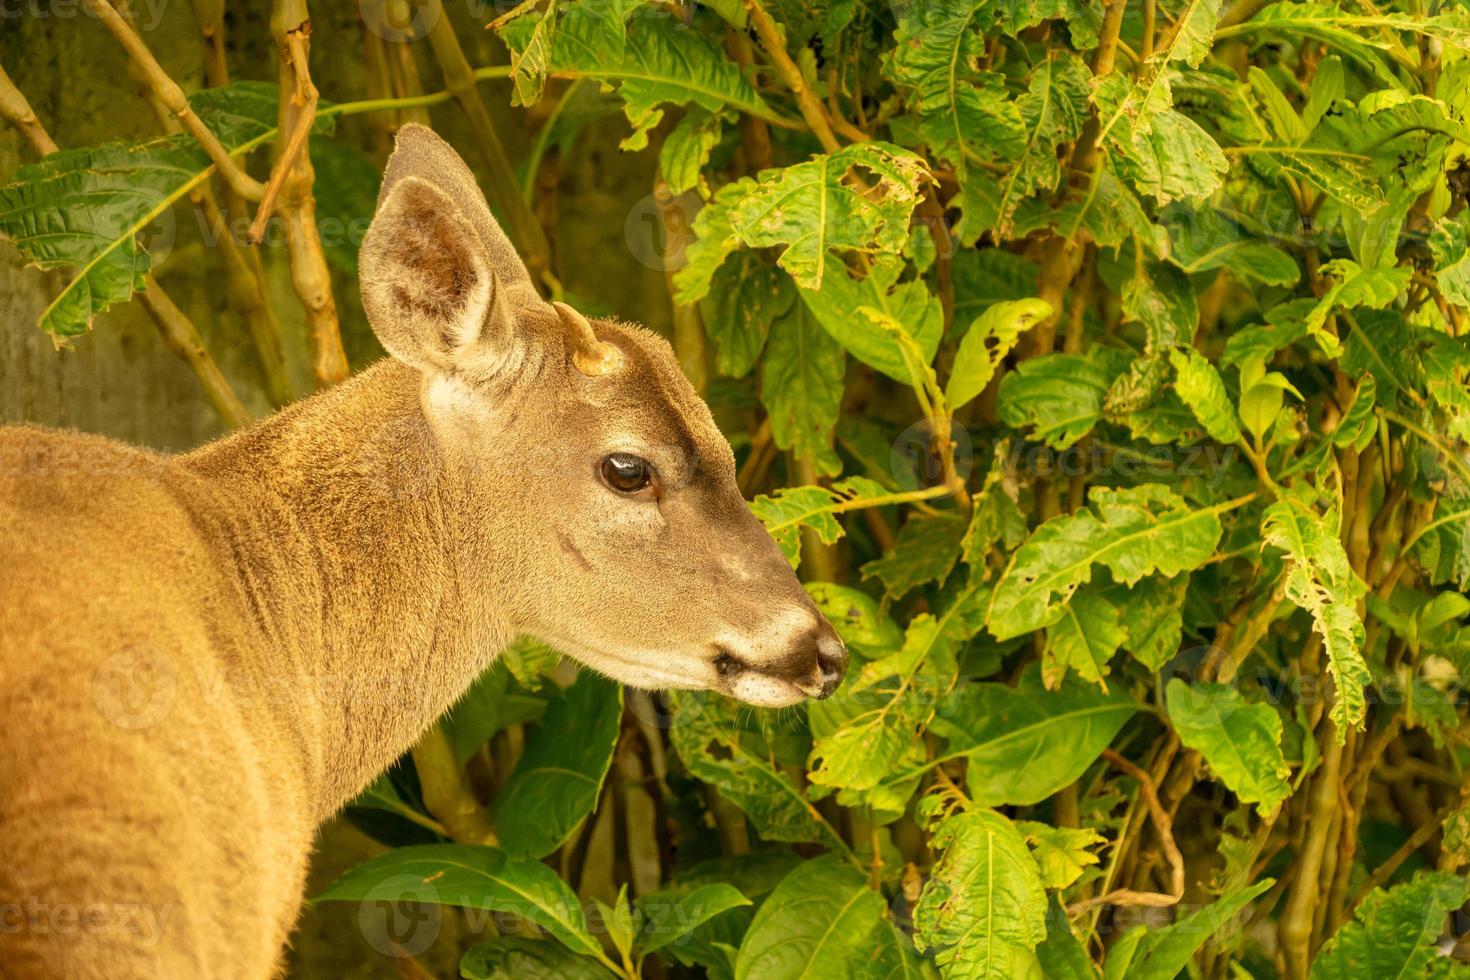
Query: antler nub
x=591 y=356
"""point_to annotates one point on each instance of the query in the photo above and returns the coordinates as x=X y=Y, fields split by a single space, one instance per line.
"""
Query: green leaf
x=685 y=151
x=1060 y=395
x=927 y=550
x=860 y=197
x=1163 y=953
x=522 y=958
x=1164 y=152
x=787 y=511
x=530 y=63
x=895 y=698
x=1053 y=110
x=1199 y=386
x=669 y=917
x=86 y=210
x=473 y=877
x=346 y=190
x=1395 y=932
x=1354 y=286
x=1194 y=33
x=556 y=782
x=1061 y=955
x=1153 y=619
x=823 y=922
x=1162 y=299
x=986 y=344
x=801 y=386
x=654 y=61
x=1083 y=640
x=1133 y=533
x=707 y=736
x=1240 y=741
x=746 y=297
x=858 y=618
x=908 y=304
x=494 y=701
x=1320 y=580
x=1025 y=743
x=1062 y=853
x=983 y=910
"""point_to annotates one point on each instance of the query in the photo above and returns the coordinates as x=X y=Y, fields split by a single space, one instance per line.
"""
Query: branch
x=774 y=46
x=291 y=26
x=447 y=793
x=176 y=328
x=525 y=231
x=167 y=91
x=18 y=112
x=1162 y=824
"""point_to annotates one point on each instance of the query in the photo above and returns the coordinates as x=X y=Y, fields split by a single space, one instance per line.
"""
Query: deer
x=205 y=656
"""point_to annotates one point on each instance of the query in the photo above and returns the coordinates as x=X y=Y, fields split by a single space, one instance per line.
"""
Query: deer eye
x=627 y=473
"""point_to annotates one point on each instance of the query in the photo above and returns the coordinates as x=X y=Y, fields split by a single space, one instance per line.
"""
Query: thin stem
x=774 y=46
x=1164 y=827
x=171 y=95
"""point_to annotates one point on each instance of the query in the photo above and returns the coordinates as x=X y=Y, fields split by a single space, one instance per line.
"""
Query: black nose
x=830 y=657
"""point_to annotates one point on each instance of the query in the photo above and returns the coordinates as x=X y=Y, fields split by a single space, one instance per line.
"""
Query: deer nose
x=828 y=660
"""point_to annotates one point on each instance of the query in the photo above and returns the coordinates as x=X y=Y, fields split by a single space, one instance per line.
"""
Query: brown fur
x=202 y=657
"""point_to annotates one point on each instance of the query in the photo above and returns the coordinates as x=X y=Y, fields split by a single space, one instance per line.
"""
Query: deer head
x=595 y=495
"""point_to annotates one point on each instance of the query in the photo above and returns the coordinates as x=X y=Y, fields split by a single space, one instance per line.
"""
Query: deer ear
x=441 y=284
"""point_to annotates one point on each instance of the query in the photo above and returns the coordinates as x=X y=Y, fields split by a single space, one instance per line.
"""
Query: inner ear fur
x=427 y=287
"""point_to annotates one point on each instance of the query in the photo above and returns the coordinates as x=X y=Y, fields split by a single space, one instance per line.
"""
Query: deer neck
x=337 y=523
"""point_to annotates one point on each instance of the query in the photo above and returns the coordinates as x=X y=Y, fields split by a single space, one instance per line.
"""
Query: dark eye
x=627 y=473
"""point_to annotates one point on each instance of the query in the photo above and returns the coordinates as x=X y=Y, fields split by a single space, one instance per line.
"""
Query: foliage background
x=1100 y=363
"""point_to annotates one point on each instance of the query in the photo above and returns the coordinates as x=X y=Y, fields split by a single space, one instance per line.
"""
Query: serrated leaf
x=910 y=305
x=85 y=210
x=748 y=294
x=707 y=736
x=1162 y=299
x=1240 y=741
x=685 y=151
x=1320 y=580
x=1198 y=384
x=1060 y=395
x=1025 y=743
x=983 y=911
x=473 y=877
x=1166 y=154
x=1353 y=286
x=1153 y=619
x=558 y=777
x=987 y=343
x=1133 y=533
x=787 y=511
x=927 y=550
x=1395 y=932
x=1083 y=639
x=801 y=386
x=1053 y=110
x=654 y=61
x=860 y=197
x=897 y=696
x=824 y=922
x=1062 y=853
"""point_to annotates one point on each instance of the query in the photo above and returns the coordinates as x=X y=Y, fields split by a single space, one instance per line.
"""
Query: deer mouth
x=746 y=682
